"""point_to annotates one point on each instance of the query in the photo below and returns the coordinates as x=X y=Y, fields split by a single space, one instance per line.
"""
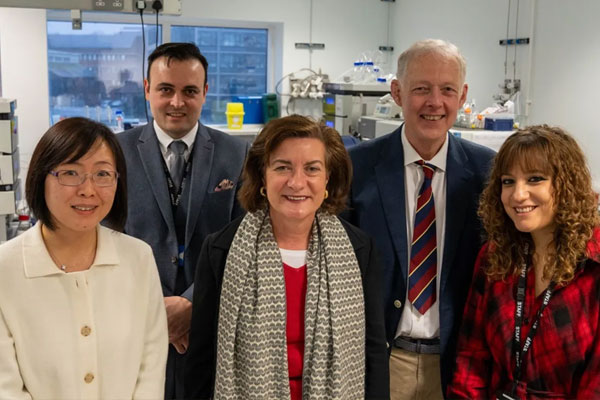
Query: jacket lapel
x=149 y=151
x=458 y=175
x=200 y=174
x=389 y=173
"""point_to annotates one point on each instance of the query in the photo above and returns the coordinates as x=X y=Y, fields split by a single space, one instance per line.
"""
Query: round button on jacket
x=88 y=378
x=86 y=330
x=397 y=303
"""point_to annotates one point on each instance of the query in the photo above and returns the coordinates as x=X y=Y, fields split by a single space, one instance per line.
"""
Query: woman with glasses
x=81 y=308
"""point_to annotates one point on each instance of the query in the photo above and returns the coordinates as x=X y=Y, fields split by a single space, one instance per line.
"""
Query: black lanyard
x=519 y=353
x=175 y=194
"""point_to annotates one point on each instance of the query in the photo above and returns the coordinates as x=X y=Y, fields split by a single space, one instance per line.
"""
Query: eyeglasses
x=101 y=178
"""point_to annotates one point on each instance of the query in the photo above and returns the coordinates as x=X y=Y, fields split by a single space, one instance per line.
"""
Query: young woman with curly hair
x=531 y=324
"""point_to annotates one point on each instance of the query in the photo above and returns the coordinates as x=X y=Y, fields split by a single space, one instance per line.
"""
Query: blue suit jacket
x=217 y=156
x=377 y=206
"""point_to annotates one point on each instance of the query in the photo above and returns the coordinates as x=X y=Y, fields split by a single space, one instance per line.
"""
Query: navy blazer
x=216 y=156
x=377 y=206
x=200 y=364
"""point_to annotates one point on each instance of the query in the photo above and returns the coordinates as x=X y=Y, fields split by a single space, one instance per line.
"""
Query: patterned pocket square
x=225 y=184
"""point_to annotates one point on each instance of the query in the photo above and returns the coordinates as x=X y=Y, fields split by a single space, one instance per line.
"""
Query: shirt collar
x=37 y=261
x=411 y=156
x=165 y=140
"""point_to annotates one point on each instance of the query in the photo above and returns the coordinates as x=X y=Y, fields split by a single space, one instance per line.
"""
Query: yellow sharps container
x=235 y=115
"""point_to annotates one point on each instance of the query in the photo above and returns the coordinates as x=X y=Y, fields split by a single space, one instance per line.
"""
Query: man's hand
x=181 y=344
x=179 y=315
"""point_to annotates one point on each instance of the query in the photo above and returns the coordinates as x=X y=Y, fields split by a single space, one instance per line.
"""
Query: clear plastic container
x=358 y=72
x=24 y=224
x=369 y=73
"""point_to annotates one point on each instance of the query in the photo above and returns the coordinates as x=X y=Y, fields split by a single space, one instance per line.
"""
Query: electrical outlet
x=148 y=4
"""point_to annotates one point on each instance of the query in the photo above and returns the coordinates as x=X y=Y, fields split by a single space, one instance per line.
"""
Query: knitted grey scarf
x=252 y=348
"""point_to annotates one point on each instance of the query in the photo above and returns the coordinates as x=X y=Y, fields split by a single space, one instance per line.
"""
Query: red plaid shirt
x=564 y=357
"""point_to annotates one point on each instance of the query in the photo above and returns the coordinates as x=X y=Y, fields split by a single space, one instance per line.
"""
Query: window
x=237 y=64
x=96 y=71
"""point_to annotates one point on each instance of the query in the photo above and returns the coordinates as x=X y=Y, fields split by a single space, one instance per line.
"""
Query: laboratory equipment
x=345 y=103
x=497 y=122
x=9 y=164
x=371 y=127
x=253 y=108
x=270 y=107
x=386 y=107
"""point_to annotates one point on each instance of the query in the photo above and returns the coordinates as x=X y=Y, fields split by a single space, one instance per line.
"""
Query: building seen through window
x=96 y=71
x=237 y=64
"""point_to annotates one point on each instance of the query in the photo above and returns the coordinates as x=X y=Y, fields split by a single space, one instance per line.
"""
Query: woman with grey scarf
x=287 y=300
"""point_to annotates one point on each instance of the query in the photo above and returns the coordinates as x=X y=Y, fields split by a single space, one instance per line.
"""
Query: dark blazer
x=200 y=365
x=216 y=156
x=377 y=206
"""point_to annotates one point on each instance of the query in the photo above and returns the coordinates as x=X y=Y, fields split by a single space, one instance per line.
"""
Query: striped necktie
x=423 y=253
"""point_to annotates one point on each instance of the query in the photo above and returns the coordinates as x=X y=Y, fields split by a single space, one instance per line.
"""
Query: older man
x=416 y=192
x=182 y=183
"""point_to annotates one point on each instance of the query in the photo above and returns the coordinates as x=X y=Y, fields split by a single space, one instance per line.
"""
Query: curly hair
x=554 y=152
x=337 y=161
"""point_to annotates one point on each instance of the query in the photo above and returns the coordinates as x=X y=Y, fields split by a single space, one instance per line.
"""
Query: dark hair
x=179 y=52
x=65 y=142
x=552 y=151
x=337 y=161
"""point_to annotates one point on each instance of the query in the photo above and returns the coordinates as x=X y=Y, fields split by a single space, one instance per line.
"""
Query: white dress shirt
x=94 y=334
x=164 y=140
x=412 y=323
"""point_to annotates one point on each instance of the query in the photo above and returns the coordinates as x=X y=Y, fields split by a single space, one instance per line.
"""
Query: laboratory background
x=325 y=58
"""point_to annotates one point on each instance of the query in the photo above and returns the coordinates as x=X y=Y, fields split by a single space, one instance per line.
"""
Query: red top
x=564 y=358
x=295 y=293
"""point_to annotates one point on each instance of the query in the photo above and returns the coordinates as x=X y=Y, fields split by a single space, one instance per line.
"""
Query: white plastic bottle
x=24 y=224
x=119 y=120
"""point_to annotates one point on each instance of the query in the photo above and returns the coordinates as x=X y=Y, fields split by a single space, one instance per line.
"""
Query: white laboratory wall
x=24 y=70
x=346 y=27
x=566 y=72
x=475 y=27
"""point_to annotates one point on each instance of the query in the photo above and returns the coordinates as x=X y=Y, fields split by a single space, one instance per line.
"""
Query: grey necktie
x=177 y=161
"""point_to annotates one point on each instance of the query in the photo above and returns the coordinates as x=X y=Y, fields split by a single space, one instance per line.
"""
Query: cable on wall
x=516 y=36
x=141 y=5
x=157 y=6
x=506 y=50
x=310 y=29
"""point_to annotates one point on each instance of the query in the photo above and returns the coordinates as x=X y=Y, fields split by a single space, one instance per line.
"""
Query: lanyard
x=519 y=353
x=175 y=194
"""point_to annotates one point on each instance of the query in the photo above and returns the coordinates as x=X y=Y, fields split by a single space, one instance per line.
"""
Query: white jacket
x=99 y=333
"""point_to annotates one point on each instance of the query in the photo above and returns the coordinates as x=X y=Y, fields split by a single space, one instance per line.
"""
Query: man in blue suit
x=182 y=182
x=416 y=191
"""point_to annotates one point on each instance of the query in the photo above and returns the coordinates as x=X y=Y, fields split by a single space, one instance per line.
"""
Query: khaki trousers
x=414 y=376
